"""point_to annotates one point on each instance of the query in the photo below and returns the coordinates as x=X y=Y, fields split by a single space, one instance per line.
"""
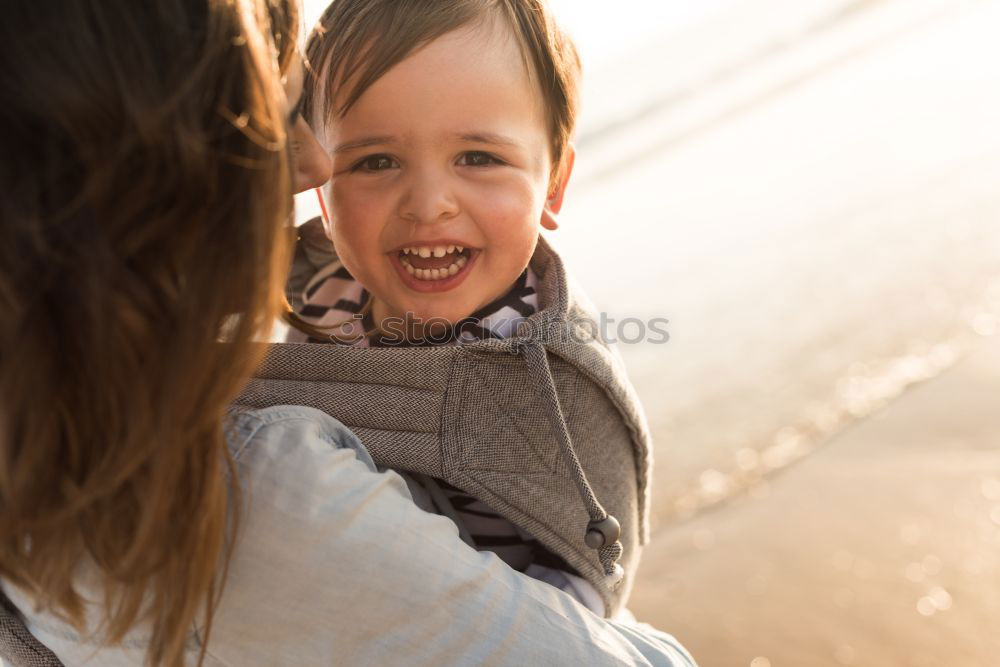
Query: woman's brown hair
x=144 y=241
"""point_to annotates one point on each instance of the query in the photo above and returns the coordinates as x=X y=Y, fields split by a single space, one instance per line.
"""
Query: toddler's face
x=441 y=177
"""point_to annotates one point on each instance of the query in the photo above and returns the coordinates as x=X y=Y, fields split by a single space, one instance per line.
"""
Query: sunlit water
x=815 y=209
x=809 y=191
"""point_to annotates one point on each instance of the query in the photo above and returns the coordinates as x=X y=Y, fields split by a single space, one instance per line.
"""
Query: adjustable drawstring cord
x=603 y=530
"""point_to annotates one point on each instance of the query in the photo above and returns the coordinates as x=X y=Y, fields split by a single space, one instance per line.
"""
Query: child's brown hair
x=357 y=41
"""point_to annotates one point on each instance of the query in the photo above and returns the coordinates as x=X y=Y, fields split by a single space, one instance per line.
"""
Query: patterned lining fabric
x=491 y=532
x=333 y=298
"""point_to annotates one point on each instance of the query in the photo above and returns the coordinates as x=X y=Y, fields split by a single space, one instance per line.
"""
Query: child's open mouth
x=433 y=268
x=434 y=263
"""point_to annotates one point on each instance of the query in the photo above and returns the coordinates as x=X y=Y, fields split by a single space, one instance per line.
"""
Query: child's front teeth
x=435 y=251
x=436 y=274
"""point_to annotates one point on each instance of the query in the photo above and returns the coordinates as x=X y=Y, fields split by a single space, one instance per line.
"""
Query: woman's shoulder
x=290 y=428
x=334 y=562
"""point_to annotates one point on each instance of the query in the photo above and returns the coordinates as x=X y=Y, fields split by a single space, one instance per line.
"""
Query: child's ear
x=558 y=190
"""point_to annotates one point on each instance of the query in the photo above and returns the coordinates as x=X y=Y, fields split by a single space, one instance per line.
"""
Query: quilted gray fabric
x=475 y=416
x=18 y=647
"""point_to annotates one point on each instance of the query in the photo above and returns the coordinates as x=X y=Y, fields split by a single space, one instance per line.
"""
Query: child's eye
x=477 y=159
x=376 y=163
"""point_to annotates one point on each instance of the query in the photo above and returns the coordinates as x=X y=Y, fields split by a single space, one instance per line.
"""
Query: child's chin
x=438 y=316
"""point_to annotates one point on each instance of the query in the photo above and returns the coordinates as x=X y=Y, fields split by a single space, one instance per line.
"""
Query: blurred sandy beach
x=878 y=549
x=825 y=238
x=810 y=192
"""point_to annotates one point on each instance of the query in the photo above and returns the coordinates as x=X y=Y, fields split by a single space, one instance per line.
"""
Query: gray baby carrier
x=543 y=427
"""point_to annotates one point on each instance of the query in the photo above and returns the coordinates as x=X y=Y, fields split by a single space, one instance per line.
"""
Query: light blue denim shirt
x=335 y=564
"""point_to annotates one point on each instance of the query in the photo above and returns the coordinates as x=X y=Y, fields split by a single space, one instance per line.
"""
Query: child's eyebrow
x=364 y=142
x=487 y=138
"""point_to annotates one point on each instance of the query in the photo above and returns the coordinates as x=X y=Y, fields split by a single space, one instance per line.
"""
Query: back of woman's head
x=145 y=189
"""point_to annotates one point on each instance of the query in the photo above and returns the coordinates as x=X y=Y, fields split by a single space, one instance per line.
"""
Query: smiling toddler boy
x=449 y=125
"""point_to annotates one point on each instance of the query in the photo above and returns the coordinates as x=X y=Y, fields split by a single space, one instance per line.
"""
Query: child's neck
x=390 y=322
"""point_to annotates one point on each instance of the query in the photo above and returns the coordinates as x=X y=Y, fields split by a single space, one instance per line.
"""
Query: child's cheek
x=355 y=235
x=510 y=215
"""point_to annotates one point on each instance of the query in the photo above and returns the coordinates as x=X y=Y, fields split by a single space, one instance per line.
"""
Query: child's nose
x=428 y=199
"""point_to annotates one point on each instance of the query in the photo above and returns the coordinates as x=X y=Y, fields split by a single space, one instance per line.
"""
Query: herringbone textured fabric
x=18 y=647
x=474 y=415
